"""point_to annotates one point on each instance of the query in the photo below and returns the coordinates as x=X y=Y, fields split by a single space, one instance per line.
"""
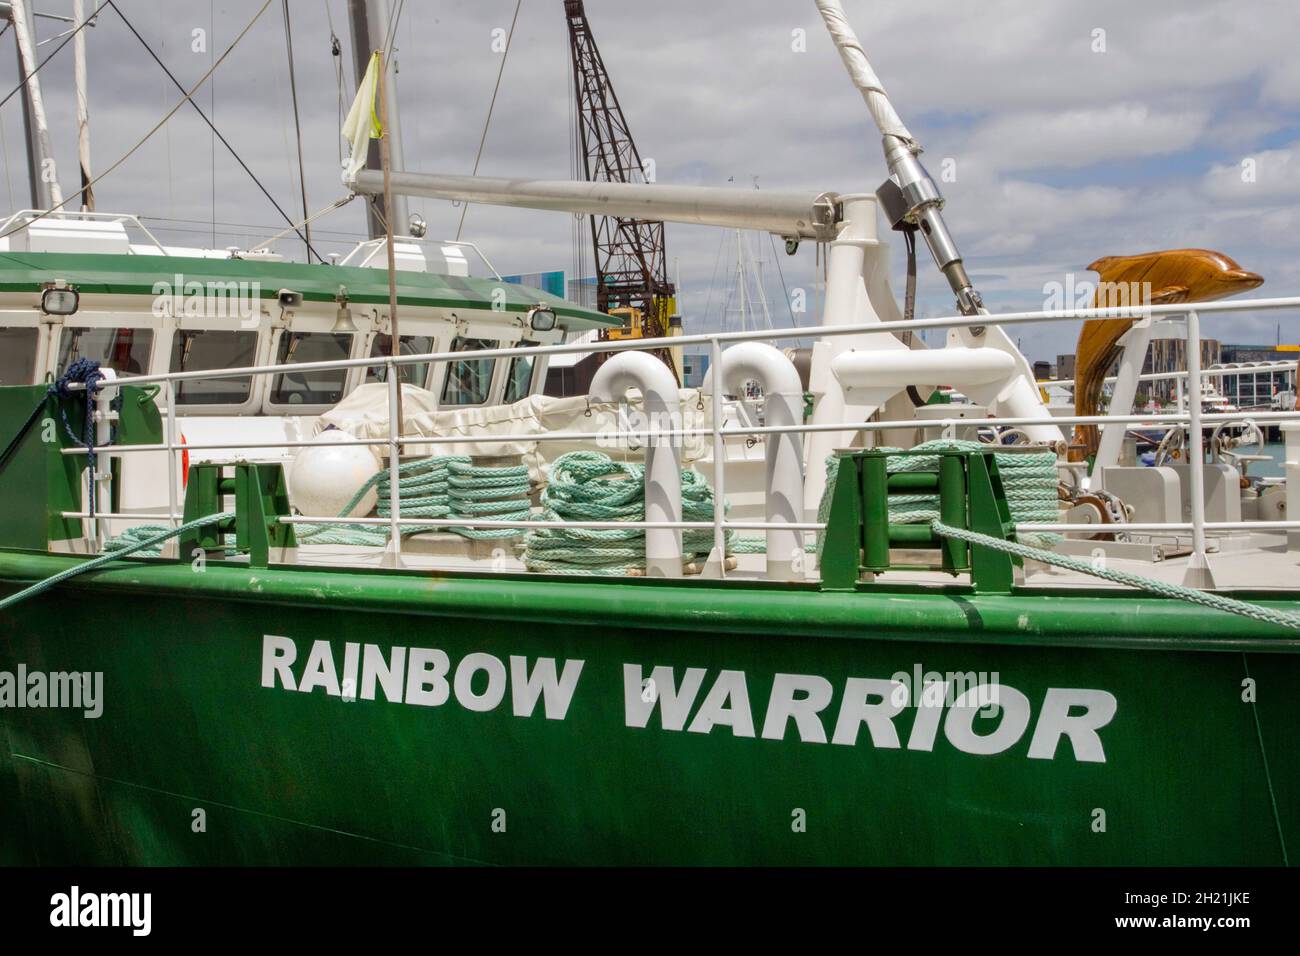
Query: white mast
x=83 y=106
x=45 y=180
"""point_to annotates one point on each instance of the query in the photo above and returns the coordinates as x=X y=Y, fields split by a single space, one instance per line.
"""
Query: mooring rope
x=143 y=544
x=1164 y=588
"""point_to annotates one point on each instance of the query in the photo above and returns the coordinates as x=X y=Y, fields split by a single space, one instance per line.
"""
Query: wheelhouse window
x=469 y=380
x=17 y=355
x=407 y=345
x=314 y=387
x=520 y=380
x=195 y=350
x=125 y=351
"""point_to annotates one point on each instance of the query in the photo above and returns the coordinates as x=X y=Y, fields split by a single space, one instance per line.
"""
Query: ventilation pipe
x=663 y=469
x=783 y=405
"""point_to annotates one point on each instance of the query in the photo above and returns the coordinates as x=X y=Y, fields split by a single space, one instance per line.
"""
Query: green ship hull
x=264 y=716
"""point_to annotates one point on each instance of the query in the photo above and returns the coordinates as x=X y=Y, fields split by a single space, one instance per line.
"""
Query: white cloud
x=1267 y=176
x=1042 y=139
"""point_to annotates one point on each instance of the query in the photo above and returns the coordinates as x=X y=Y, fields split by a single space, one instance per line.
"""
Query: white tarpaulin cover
x=364 y=414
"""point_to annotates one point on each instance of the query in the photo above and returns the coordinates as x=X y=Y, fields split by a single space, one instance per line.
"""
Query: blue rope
x=85 y=371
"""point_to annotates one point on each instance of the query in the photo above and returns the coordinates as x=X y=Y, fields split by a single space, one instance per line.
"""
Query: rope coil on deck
x=444 y=486
x=591 y=486
x=1029 y=480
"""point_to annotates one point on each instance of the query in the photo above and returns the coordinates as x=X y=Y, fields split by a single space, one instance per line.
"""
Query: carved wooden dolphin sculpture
x=1176 y=275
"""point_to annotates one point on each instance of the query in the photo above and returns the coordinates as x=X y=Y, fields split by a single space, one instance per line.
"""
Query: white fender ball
x=323 y=478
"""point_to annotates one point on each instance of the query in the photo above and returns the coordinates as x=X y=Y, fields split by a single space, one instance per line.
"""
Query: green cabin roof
x=117 y=274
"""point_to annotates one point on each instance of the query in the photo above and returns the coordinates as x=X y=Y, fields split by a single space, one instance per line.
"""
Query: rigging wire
x=492 y=105
x=53 y=53
x=776 y=257
x=4 y=142
x=307 y=220
x=297 y=127
x=336 y=54
x=717 y=262
x=187 y=98
x=212 y=108
x=4 y=153
x=391 y=37
x=198 y=109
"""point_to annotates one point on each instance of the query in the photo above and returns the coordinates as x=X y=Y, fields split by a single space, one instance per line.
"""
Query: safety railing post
x=394 y=463
x=719 y=461
x=1198 y=573
x=173 y=510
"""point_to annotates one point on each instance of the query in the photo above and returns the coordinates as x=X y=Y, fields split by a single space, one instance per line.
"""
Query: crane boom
x=631 y=264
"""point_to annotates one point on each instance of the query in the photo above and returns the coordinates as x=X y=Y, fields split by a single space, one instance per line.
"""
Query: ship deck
x=1240 y=562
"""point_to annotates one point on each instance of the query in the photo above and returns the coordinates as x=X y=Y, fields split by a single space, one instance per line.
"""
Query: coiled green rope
x=444 y=486
x=491 y=493
x=1029 y=480
x=591 y=486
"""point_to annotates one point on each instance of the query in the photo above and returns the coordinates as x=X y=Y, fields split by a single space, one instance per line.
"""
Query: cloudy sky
x=1075 y=129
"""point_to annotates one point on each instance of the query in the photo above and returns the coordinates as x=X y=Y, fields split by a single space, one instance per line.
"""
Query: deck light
x=60 y=300
x=541 y=319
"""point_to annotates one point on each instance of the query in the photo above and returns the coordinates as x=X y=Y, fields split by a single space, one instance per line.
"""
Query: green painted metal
x=137 y=275
x=722 y=722
x=951 y=480
x=988 y=513
x=970 y=496
x=39 y=482
x=1193 y=774
x=841 y=548
x=261 y=498
x=204 y=490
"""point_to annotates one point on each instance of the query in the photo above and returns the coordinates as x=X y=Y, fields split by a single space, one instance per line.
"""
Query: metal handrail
x=1214 y=371
x=381 y=242
x=1165 y=421
x=72 y=214
x=707 y=338
x=1193 y=418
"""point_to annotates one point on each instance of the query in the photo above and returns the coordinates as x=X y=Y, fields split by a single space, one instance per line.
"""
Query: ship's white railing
x=1194 y=419
x=28 y=217
x=370 y=249
x=1214 y=371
